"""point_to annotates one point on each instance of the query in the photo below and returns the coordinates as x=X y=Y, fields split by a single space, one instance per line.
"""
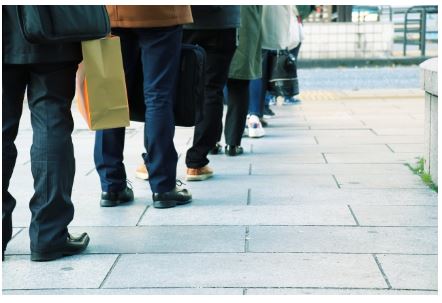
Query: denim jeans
x=159 y=50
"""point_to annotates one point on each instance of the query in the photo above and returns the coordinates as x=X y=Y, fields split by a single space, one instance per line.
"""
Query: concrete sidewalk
x=323 y=204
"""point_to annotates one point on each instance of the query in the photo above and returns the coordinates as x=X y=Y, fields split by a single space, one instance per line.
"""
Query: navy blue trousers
x=50 y=90
x=160 y=50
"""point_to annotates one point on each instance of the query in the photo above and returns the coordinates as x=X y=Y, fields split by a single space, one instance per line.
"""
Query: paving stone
x=387 y=215
x=152 y=239
x=130 y=291
x=379 y=181
x=78 y=271
x=410 y=271
x=245 y=270
x=343 y=239
x=251 y=215
x=353 y=140
x=293 y=149
x=331 y=291
x=375 y=196
x=386 y=157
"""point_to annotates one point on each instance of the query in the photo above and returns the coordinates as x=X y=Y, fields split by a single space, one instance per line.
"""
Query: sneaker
x=268 y=113
x=142 y=173
x=291 y=101
x=255 y=127
x=271 y=99
x=199 y=174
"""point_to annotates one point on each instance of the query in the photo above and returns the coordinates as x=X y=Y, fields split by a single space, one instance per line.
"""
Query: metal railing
x=417 y=26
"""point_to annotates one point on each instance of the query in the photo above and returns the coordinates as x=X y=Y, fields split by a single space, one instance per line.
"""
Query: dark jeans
x=50 y=90
x=219 y=46
x=258 y=87
x=237 y=105
x=159 y=49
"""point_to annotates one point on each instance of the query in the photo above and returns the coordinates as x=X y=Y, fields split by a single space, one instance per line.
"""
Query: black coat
x=214 y=17
x=16 y=50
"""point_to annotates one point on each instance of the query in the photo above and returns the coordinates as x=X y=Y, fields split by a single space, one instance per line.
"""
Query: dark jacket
x=16 y=50
x=214 y=17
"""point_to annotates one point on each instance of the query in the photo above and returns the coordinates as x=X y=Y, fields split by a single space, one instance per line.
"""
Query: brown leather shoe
x=199 y=174
x=142 y=173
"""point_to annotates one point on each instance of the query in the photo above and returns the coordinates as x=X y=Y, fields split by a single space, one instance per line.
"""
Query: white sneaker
x=255 y=128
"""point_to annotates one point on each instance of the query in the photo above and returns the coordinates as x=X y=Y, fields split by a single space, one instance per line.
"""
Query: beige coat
x=147 y=16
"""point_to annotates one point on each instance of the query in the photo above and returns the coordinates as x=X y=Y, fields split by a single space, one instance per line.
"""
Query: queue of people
x=237 y=41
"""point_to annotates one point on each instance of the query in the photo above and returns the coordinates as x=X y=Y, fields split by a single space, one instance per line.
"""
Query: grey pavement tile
x=130 y=291
x=343 y=239
x=245 y=270
x=384 y=157
x=251 y=215
x=151 y=239
x=332 y=133
x=291 y=149
x=388 y=215
x=399 y=131
x=79 y=271
x=407 y=148
x=353 y=140
x=379 y=181
x=334 y=291
x=410 y=271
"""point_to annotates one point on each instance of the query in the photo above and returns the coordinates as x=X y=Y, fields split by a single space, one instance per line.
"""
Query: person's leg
x=14 y=81
x=219 y=46
x=255 y=97
x=160 y=54
x=109 y=143
x=238 y=104
x=50 y=92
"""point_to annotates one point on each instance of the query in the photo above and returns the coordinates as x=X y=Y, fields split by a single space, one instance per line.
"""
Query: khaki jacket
x=147 y=16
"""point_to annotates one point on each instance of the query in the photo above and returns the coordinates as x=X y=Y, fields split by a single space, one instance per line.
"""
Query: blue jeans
x=160 y=50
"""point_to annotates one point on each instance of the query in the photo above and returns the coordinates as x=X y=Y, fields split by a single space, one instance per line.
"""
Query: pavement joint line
x=27 y=162
x=363 y=123
x=18 y=232
x=373 y=131
x=249 y=196
x=259 y=225
x=250 y=169
x=90 y=171
x=336 y=181
x=353 y=215
x=142 y=215
x=389 y=147
x=382 y=270
x=189 y=140
x=316 y=140
x=246 y=240
x=110 y=271
x=251 y=148
x=243 y=252
x=325 y=158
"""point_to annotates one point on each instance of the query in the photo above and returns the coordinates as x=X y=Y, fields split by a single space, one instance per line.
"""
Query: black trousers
x=219 y=44
x=50 y=90
x=237 y=108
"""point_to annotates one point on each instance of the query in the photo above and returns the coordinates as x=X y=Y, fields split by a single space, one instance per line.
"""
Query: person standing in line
x=154 y=33
x=47 y=73
x=246 y=65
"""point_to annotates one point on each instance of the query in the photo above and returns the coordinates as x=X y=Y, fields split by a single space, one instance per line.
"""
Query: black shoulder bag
x=45 y=24
x=283 y=74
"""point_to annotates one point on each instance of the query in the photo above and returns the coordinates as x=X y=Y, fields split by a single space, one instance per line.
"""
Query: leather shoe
x=109 y=199
x=176 y=196
x=217 y=149
x=73 y=246
x=234 y=150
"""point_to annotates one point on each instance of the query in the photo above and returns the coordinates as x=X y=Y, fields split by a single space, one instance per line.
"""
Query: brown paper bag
x=101 y=85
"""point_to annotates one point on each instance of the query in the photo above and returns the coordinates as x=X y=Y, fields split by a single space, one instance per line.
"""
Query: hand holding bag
x=101 y=85
x=43 y=24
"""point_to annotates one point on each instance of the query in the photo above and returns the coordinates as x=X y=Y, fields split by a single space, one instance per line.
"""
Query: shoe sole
x=142 y=176
x=109 y=203
x=199 y=177
x=169 y=204
x=42 y=257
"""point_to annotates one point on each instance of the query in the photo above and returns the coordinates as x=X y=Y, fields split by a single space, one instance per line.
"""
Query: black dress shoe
x=176 y=196
x=217 y=149
x=234 y=150
x=73 y=246
x=109 y=199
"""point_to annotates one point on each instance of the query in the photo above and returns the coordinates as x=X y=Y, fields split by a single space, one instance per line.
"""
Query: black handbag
x=283 y=80
x=188 y=105
x=44 y=24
